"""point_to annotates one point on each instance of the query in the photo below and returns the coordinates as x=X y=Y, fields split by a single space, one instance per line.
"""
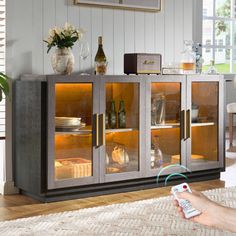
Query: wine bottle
x=121 y=115
x=107 y=120
x=100 y=59
x=113 y=116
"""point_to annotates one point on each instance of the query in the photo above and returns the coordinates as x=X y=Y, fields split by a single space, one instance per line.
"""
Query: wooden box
x=71 y=168
x=142 y=63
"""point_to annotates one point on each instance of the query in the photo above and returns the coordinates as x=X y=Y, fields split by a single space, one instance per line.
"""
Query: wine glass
x=84 y=52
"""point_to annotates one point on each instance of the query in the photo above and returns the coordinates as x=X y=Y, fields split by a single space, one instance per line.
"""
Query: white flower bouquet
x=63 y=37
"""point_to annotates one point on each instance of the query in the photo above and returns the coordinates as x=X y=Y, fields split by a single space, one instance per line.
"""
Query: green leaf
x=49 y=48
x=0 y=95
x=4 y=87
x=4 y=76
x=74 y=39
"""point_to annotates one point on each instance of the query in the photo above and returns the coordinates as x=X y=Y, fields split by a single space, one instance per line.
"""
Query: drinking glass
x=84 y=52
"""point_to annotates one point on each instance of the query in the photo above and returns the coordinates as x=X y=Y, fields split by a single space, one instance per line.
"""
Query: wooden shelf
x=177 y=125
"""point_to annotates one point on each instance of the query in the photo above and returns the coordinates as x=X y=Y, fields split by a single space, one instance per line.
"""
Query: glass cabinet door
x=165 y=146
x=121 y=153
x=204 y=109
x=72 y=146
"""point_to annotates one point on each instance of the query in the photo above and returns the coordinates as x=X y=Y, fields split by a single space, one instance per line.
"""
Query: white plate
x=81 y=125
x=67 y=121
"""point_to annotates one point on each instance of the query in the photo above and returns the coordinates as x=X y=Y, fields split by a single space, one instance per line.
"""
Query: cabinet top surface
x=87 y=78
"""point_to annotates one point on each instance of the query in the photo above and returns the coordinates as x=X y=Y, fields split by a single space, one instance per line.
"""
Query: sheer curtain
x=2 y=63
x=2 y=104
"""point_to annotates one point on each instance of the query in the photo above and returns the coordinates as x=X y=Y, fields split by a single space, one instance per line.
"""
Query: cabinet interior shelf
x=176 y=125
x=74 y=132
x=89 y=131
x=161 y=126
x=120 y=130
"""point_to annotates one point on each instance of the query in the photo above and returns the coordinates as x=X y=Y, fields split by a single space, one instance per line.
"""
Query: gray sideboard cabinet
x=78 y=136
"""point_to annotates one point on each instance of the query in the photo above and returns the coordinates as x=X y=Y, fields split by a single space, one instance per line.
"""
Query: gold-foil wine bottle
x=100 y=59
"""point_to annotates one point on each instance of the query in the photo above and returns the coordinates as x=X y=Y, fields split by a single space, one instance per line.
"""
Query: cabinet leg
x=230 y=130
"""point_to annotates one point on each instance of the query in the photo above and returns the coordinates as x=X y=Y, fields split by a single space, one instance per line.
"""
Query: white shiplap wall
x=28 y=22
x=123 y=31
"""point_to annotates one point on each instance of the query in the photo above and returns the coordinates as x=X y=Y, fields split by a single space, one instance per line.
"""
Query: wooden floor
x=18 y=206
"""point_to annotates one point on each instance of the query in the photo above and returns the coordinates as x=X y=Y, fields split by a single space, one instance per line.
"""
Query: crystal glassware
x=84 y=52
x=188 y=61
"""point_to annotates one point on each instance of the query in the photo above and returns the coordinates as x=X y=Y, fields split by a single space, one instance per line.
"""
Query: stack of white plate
x=68 y=122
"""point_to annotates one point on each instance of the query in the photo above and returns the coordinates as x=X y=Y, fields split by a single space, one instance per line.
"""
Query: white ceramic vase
x=63 y=61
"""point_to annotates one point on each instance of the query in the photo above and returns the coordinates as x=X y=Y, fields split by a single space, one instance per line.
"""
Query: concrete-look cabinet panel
x=78 y=136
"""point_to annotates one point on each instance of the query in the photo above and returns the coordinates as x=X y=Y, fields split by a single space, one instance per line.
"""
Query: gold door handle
x=184 y=124
x=96 y=130
x=103 y=129
x=188 y=124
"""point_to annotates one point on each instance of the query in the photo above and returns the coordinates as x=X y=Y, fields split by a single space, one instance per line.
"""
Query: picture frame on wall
x=138 y=5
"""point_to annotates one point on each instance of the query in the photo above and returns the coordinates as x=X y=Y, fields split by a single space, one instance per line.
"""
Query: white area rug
x=148 y=217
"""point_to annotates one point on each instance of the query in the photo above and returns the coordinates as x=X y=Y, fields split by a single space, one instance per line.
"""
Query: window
x=221 y=43
x=2 y=62
x=208 y=43
x=219 y=34
x=204 y=12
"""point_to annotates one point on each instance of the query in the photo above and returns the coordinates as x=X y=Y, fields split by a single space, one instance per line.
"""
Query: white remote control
x=188 y=210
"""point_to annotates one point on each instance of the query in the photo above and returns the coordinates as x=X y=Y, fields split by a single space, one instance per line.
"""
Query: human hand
x=200 y=202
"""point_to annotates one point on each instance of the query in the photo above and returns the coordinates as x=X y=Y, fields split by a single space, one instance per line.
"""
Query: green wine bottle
x=113 y=116
x=107 y=120
x=100 y=59
x=122 y=115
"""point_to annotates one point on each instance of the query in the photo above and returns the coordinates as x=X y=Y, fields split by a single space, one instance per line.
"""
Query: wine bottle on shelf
x=107 y=120
x=122 y=115
x=113 y=116
x=100 y=59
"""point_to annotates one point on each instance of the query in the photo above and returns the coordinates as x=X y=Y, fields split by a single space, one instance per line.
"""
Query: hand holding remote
x=188 y=210
x=209 y=211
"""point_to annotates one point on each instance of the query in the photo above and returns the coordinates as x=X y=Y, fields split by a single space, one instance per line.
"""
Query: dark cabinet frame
x=33 y=125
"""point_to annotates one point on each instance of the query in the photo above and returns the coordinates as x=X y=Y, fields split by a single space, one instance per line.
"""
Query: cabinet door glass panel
x=73 y=130
x=165 y=124
x=122 y=127
x=204 y=121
